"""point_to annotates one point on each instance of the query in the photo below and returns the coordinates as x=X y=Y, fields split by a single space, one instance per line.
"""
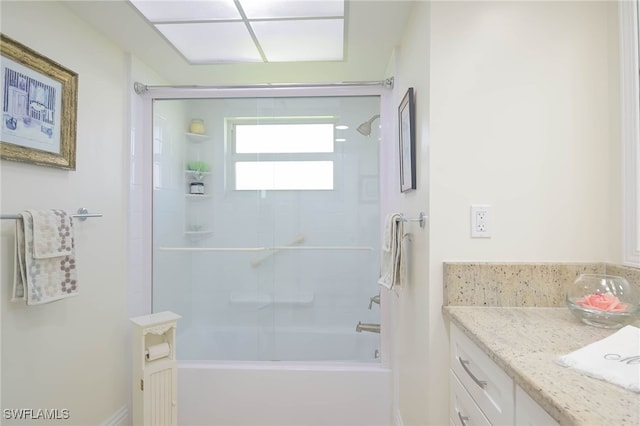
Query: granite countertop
x=525 y=342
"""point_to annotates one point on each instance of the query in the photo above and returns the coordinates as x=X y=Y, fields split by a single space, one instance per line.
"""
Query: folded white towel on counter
x=45 y=264
x=391 y=271
x=615 y=359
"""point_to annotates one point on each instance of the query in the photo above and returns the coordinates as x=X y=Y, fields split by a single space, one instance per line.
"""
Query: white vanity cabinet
x=462 y=409
x=488 y=385
x=482 y=393
x=529 y=413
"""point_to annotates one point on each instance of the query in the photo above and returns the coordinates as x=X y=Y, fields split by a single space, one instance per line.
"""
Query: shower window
x=282 y=154
x=283 y=138
x=284 y=175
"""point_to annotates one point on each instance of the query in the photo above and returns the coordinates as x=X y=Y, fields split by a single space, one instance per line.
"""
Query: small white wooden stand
x=155 y=390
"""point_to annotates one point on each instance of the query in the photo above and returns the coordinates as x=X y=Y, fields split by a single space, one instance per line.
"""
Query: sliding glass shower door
x=266 y=226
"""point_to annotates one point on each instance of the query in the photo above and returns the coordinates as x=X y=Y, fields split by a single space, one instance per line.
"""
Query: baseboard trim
x=397 y=418
x=119 y=418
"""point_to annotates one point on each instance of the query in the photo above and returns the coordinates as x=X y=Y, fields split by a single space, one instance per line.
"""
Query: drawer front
x=463 y=411
x=489 y=386
x=529 y=413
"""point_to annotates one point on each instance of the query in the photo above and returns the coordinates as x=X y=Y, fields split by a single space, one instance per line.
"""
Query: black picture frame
x=407 y=141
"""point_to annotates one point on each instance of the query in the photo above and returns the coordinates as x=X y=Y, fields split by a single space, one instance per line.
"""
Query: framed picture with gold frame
x=39 y=108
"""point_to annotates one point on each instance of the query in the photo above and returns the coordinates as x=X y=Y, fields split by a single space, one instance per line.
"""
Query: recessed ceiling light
x=187 y=11
x=214 y=31
x=279 y=9
x=341 y=140
x=302 y=40
x=342 y=127
x=212 y=42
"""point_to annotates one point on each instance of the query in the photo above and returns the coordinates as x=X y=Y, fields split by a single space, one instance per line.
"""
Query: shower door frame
x=141 y=180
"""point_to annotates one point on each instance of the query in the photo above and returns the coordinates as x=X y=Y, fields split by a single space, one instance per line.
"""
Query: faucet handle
x=374 y=299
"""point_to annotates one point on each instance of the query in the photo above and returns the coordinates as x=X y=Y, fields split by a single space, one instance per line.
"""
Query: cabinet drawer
x=463 y=411
x=529 y=413
x=489 y=386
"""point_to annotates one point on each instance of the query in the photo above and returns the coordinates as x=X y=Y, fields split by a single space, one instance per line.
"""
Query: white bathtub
x=284 y=392
x=276 y=393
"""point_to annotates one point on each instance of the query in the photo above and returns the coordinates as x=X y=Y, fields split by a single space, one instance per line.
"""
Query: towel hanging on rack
x=391 y=271
x=45 y=265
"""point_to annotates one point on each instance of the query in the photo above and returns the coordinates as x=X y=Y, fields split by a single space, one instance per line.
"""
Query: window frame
x=630 y=132
x=232 y=157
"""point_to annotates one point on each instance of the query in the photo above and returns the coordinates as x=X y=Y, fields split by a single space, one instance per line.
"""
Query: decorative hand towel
x=615 y=359
x=51 y=233
x=392 y=262
x=45 y=260
x=403 y=265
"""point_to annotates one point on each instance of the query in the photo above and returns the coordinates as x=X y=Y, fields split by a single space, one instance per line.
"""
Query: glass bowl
x=601 y=300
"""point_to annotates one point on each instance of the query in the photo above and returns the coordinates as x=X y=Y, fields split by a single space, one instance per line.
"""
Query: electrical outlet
x=480 y=221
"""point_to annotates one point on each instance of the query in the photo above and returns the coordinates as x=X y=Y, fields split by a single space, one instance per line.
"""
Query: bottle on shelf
x=196 y=188
x=197 y=126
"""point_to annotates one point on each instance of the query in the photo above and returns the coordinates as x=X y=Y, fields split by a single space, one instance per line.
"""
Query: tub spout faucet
x=374 y=299
x=371 y=328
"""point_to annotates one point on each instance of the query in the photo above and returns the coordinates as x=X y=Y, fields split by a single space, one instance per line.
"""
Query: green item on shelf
x=198 y=166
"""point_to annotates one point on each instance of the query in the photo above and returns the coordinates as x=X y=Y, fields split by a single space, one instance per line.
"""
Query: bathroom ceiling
x=370 y=29
x=216 y=31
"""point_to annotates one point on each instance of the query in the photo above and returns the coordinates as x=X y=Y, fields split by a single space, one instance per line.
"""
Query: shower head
x=365 y=128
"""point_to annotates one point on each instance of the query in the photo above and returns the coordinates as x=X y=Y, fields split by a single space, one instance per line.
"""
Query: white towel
x=45 y=265
x=615 y=359
x=391 y=271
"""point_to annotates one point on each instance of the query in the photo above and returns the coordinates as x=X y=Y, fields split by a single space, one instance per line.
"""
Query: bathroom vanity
x=508 y=324
x=504 y=370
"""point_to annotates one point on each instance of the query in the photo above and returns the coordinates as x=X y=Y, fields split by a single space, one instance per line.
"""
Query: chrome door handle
x=464 y=363
x=463 y=419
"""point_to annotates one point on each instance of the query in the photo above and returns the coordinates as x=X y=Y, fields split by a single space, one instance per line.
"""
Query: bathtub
x=285 y=392
x=276 y=393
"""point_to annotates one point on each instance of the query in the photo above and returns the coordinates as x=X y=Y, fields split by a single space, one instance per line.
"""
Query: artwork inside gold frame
x=39 y=108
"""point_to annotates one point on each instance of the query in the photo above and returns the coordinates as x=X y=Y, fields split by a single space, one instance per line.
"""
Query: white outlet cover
x=480 y=221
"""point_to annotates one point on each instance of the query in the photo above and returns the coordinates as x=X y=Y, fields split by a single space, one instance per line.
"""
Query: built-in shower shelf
x=196 y=174
x=197 y=196
x=197 y=137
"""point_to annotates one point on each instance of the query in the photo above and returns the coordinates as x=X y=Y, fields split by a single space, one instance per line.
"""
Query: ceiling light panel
x=305 y=40
x=187 y=10
x=212 y=42
x=281 y=9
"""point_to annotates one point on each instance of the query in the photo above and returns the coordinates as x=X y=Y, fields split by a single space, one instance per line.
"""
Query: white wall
x=516 y=106
x=411 y=357
x=520 y=120
x=71 y=353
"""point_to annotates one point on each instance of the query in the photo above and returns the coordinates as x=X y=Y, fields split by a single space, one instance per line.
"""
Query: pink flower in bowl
x=602 y=302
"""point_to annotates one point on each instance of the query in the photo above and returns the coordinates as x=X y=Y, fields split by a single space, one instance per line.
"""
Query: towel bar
x=421 y=218
x=82 y=215
x=263 y=249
